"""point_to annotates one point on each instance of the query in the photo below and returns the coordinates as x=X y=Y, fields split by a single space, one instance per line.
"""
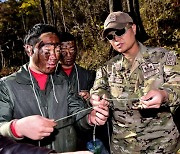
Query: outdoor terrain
x=84 y=19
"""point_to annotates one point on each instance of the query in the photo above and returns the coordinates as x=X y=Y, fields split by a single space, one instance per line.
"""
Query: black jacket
x=9 y=146
x=18 y=99
x=83 y=79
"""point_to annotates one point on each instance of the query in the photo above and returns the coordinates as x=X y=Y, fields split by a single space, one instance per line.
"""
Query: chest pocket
x=153 y=78
x=119 y=86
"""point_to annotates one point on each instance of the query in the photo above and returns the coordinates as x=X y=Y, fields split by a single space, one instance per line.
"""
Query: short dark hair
x=33 y=34
x=66 y=36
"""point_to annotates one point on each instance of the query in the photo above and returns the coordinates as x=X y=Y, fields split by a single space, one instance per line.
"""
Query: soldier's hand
x=100 y=112
x=154 y=98
x=34 y=127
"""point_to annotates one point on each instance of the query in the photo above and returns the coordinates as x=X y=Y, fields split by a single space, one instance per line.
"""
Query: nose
x=53 y=54
x=116 y=38
x=68 y=53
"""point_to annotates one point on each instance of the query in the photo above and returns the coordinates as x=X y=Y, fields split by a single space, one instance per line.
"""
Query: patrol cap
x=116 y=20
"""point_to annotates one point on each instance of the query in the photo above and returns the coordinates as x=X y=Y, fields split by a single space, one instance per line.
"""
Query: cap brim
x=113 y=26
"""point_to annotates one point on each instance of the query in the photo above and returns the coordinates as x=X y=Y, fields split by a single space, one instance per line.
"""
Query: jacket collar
x=62 y=73
x=23 y=77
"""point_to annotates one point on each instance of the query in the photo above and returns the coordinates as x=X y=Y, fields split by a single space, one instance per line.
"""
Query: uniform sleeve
x=5 y=111
x=101 y=85
x=172 y=79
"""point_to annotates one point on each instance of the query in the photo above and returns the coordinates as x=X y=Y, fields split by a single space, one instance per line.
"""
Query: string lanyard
x=90 y=108
x=96 y=145
x=33 y=88
x=137 y=99
x=94 y=135
x=77 y=78
x=122 y=99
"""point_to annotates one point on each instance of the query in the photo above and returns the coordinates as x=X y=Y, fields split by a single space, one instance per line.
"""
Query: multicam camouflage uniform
x=139 y=130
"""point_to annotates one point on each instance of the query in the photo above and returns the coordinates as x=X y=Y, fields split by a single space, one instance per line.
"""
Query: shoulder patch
x=99 y=74
x=170 y=59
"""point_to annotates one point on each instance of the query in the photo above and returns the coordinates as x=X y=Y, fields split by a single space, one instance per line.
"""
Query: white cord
x=73 y=114
x=53 y=89
x=94 y=134
x=33 y=87
x=109 y=138
x=77 y=77
x=121 y=99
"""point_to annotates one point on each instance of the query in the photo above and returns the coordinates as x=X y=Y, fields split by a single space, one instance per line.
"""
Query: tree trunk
x=141 y=34
x=52 y=13
x=115 y=5
x=2 y=59
x=62 y=14
x=43 y=7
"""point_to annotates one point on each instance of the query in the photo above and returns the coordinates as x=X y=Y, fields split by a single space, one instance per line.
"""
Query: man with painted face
x=143 y=84
x=35 y=99
x=81 y=81
x=80 y=78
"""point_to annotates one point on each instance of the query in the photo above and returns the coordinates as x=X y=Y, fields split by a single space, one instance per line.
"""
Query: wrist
x=15 y=129
x=165 y=95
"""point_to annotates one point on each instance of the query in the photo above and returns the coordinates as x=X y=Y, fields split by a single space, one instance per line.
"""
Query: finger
x=152 y=106
x=50 y=123
x=104 y=96
x=95 y=97
x=104 y=103
x=100 y=121
x=45 y=134
x=149 y=102
x=46 y=119
x=101 y=116
x=104 y=107
x=104 y=111
x=86 y=97
x=148 y=96
x=97 y=123
x=82 y=94
x=47 y=130
x=143 y=106
x=94 y=102
x=101 y=102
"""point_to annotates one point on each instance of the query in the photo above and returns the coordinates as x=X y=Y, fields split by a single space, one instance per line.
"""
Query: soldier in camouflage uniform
x=143 y=86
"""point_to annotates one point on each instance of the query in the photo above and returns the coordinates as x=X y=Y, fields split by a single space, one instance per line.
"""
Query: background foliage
x=84 y=19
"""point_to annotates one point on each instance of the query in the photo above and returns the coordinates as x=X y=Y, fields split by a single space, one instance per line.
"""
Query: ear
x=28 y=49
x=134 y=28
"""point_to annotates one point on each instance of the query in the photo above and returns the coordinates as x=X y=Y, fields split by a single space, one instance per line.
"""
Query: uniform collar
x=140 y=58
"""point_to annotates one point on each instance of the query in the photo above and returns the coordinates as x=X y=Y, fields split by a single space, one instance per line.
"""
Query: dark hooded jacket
x=83 y=79
x=20 y=98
